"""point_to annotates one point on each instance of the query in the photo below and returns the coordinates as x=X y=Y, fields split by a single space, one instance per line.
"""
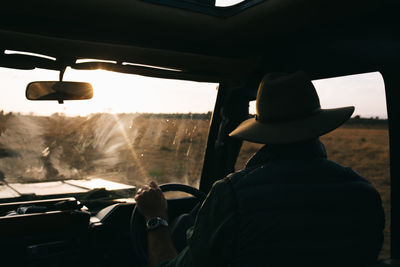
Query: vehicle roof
x=325 y=38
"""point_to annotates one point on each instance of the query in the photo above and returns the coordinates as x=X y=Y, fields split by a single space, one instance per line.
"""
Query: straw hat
x=288 y=111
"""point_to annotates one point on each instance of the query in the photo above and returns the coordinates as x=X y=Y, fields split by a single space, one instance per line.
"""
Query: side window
x=362 y=143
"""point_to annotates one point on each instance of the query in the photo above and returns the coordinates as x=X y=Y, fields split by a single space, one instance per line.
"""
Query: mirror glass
x=60 y=91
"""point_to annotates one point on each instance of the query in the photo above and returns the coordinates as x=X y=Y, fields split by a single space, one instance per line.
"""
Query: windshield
x=135 y=129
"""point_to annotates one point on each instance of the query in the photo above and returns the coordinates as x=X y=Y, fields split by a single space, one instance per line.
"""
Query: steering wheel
x=178 y=227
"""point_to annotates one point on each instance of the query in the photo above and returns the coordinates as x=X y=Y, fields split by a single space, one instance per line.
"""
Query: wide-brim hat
x=288 y=111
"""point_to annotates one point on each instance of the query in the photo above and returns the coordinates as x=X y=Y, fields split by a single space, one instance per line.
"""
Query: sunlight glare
x=132 y=151
x=127 y=93
x=112 y=93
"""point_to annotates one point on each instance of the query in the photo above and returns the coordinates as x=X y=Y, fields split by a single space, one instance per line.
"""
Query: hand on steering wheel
x=152 y=203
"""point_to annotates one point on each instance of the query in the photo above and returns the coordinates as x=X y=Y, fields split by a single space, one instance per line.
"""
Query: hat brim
x=292 y=131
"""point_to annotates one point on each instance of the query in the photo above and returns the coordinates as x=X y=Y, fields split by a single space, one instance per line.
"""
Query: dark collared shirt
x=290 y=206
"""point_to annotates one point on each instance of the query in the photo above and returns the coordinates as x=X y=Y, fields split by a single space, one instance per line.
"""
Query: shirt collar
x=303 y=150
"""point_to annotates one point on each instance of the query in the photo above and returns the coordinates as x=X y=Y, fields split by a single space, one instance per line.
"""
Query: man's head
x=288 y=111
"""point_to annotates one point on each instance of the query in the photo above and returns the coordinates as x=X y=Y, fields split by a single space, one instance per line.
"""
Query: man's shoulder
x=308 y=171
x=318 y=184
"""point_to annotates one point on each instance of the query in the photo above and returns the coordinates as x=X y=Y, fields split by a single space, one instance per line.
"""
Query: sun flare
x=112 y=93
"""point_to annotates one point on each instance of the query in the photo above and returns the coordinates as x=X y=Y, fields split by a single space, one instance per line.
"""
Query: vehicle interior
x=94 y=221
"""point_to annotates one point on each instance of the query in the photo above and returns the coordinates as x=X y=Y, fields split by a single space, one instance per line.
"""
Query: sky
x=112 y=92
x=127 y=93
x=227 y=2
x=366 y=92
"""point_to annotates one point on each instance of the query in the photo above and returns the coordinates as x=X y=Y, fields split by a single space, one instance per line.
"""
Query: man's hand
x=151 y=202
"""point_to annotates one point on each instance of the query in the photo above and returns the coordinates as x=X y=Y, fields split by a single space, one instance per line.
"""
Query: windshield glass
x=135 y=129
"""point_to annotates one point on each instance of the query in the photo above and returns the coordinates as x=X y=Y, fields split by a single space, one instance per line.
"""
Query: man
x=290 y=206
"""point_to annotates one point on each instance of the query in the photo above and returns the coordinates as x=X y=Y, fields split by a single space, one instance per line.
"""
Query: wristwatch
x=155 y=223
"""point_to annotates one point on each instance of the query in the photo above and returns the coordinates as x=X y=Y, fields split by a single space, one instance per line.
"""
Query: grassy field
x=134 y=149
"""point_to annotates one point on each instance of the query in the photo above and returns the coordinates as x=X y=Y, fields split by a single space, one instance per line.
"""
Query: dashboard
x=64 y=232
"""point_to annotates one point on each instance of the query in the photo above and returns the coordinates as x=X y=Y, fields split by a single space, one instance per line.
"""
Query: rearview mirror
x=60 y=91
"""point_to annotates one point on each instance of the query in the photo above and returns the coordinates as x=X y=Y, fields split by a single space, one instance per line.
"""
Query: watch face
x=155 y=223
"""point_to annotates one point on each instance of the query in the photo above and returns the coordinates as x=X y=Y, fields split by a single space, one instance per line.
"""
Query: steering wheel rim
x=137 y=223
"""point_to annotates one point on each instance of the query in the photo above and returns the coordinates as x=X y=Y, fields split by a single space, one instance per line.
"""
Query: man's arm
x=217 y=208
x=160 y=246
x=151 y=203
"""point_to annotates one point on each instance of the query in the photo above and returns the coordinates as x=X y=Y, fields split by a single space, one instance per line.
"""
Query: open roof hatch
x=222 y=8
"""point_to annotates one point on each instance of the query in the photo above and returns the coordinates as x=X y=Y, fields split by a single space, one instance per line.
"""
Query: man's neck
x=302 y=150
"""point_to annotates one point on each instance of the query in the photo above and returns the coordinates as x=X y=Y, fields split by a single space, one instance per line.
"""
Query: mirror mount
x=62 y=71
x=60 y=99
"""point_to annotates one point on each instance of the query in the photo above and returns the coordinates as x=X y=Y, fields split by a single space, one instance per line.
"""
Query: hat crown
x=283 y=97
x=288 y=111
